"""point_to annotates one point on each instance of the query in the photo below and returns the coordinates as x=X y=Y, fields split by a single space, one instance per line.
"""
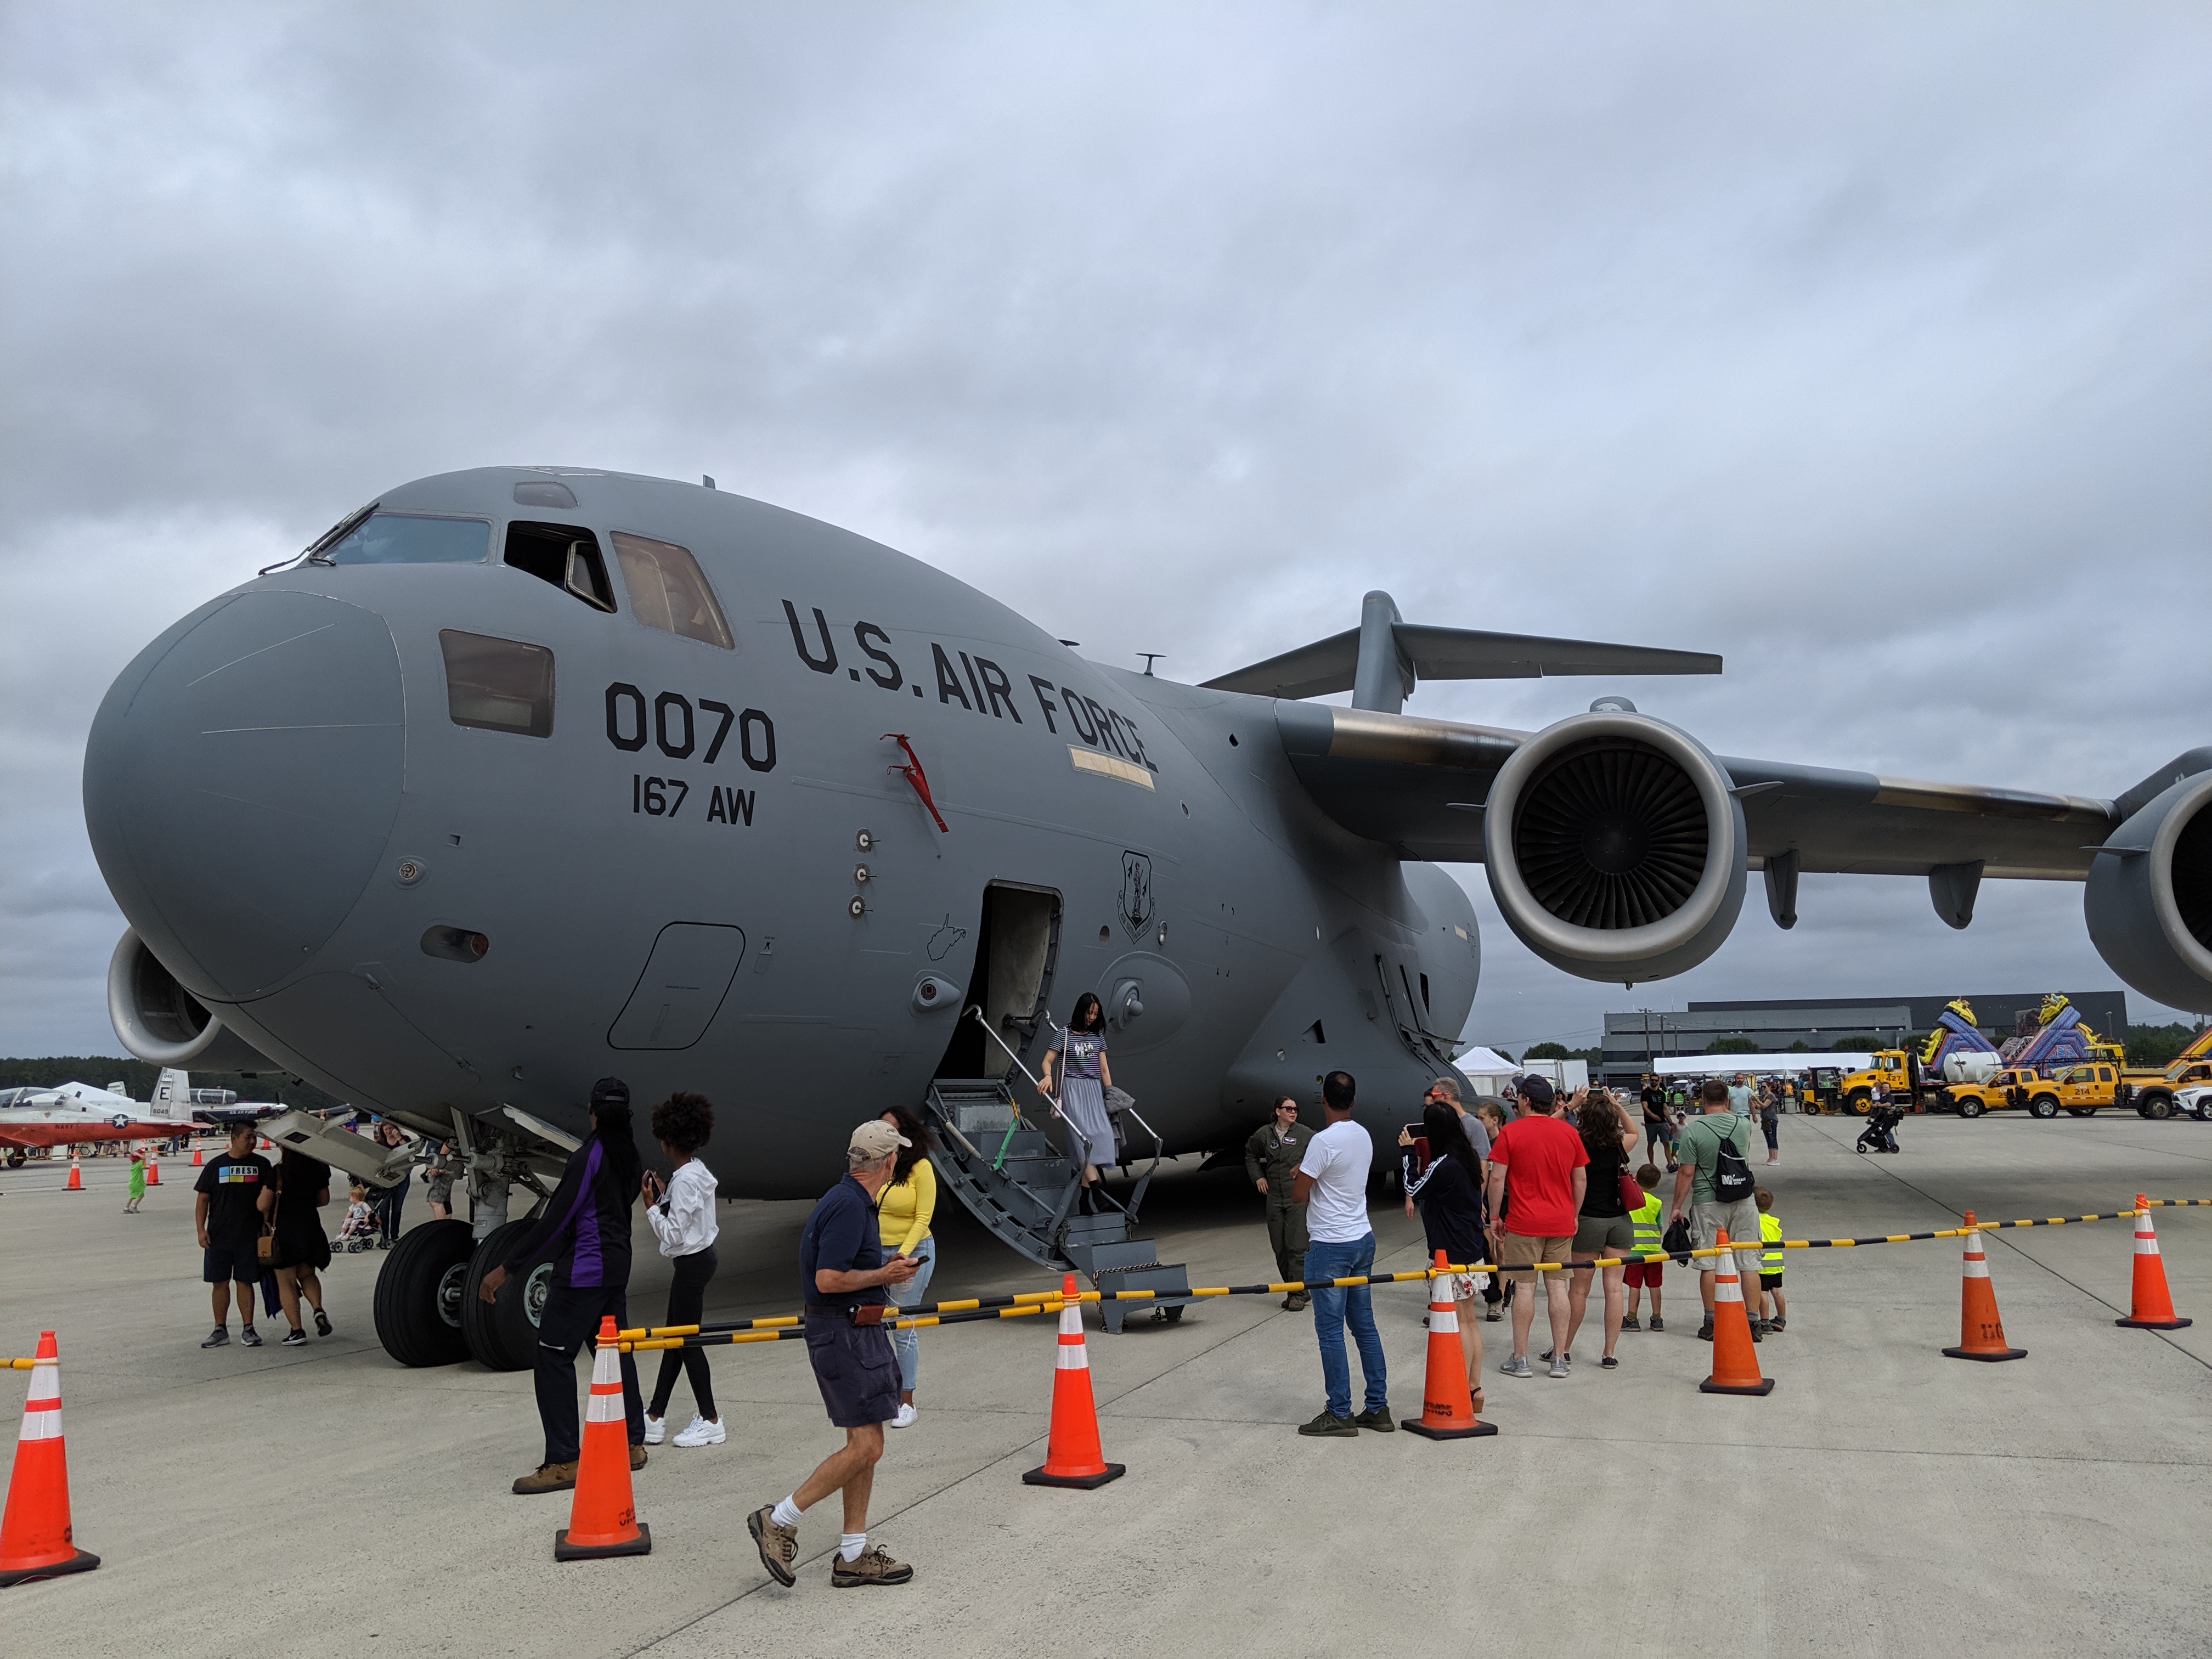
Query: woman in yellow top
x=903 y=1213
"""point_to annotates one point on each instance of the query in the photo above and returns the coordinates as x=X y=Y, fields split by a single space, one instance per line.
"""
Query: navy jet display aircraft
x=523 y=775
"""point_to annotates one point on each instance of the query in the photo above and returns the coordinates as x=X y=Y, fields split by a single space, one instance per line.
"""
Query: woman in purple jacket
x=585 y=1233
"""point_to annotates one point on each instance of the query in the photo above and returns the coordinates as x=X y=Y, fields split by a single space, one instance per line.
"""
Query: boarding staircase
x=1017 y=1178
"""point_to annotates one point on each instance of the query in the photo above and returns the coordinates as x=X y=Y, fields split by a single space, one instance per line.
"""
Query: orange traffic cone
x=2151 y=1307
x=1735 y=1365
x=603 y=1516
x=35 y=1538
x=1447 y=1407
x=1072 y=1455
x=196 y=1157
x=1981 y=1333
x=75 y=1181
x=152 y=1170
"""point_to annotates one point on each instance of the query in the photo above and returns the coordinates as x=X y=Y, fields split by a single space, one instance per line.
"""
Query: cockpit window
x=668 y=591
x=408 y=538
x=498 y=686
x=564 y=555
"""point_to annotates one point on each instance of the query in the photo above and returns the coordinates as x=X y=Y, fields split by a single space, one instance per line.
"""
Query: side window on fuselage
x=564 y=555
x=668 y=591
x=497 y=685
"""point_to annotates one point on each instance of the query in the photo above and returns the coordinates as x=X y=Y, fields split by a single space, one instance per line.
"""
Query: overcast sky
x=1867 y=346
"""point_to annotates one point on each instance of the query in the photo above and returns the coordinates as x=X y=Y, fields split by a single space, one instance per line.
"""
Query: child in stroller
x=358 y=1231
x=1880 y=1135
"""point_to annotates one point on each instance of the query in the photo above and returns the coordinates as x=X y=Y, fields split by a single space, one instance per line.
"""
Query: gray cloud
x=1865 y=346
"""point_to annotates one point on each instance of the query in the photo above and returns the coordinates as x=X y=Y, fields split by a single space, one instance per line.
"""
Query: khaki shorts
x=1741 y=1220
x=1518 y=1253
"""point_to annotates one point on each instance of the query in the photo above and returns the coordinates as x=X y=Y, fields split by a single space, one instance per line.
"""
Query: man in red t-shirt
x=1536 y=1179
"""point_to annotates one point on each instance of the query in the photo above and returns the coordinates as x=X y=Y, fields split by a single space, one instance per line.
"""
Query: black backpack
x=1731 y=1174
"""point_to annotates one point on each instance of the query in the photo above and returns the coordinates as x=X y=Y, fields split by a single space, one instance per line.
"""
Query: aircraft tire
x=418 y=1302
x=503 y=1334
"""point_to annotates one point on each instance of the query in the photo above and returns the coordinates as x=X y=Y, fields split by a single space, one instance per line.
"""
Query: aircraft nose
x=240 y=781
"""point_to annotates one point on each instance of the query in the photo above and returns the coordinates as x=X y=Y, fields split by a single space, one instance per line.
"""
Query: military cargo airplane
x=521 y=775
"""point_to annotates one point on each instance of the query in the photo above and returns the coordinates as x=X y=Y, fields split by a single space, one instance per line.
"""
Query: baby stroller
x=358 y=1231
x=1880 y=1135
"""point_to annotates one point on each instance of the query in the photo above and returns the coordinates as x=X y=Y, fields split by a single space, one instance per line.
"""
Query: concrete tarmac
x=1882 y=1500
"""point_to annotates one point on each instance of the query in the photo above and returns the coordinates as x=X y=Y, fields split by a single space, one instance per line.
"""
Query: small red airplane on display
x=77 y=1113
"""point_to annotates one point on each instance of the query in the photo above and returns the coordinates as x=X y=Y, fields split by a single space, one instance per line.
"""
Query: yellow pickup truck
x=2078 y=1090
x=2154 y=1091
x=2007 y=1088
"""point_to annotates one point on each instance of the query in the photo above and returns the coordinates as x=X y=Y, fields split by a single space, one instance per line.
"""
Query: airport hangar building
x=1633 y=1038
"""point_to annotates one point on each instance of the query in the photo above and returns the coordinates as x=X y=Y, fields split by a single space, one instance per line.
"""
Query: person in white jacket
x=682 y=1213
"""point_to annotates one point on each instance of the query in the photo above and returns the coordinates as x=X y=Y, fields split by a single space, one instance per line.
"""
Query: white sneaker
x=656 y=1429
x=905 y=1418
x=703 y=1433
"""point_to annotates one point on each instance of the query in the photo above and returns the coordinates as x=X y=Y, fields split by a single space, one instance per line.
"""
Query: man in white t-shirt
x=1332 y=1183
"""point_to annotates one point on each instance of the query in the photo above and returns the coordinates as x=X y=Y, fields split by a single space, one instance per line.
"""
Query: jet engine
x=162 y=1023
x=2149 y=900
x=1615 y=848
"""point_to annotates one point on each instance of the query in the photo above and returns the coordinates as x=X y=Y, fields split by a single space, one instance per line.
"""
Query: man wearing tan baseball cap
x=842 y=1273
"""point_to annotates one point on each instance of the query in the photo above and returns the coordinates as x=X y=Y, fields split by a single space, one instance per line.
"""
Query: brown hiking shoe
x=778 y=1545
x=637 y=1457
x=547 y=1477
x=873 y=1566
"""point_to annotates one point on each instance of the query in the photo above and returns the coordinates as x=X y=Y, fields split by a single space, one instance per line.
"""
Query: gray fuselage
x=347 y=844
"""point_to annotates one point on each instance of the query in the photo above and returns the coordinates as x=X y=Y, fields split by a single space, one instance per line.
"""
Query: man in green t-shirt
x=1699 y=1147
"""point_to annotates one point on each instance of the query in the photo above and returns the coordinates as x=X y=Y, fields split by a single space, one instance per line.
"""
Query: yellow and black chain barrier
x=1025 y=1303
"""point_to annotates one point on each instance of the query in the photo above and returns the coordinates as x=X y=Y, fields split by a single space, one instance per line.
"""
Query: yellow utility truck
x=2154 y=1091
x=2009 y=1087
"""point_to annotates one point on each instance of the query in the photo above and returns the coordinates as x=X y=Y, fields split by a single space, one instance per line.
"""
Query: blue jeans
x=907 y=1343
x=1333 y=1310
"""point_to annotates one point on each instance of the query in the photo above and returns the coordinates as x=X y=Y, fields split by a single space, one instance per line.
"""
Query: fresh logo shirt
x=234 y=1186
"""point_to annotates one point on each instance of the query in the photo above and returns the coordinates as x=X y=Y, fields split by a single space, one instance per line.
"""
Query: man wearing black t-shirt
x=232 y=1192
x=1658 y=1127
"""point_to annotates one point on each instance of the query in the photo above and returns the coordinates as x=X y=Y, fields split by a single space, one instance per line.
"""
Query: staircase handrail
x=976 y=1013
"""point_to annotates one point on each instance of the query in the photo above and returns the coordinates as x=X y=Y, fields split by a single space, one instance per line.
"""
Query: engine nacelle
x=162 y=1023
x=1615 y=848
x=2149 y=900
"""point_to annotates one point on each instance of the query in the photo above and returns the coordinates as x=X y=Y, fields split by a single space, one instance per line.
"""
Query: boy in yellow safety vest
x=1773 y=1311
x=1642 y=1275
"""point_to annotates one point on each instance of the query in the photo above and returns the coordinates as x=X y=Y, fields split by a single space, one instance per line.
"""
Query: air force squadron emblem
x=1136 y=892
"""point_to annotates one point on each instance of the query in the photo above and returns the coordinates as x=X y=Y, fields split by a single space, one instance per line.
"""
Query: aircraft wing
x=1420 y=785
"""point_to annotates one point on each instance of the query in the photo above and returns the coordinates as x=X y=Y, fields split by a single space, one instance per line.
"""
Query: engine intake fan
x=2148 y=899
x=1614 y=848
x=160 y=1022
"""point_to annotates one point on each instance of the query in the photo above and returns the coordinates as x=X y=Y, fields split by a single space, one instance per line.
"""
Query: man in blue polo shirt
x=842 y=1272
